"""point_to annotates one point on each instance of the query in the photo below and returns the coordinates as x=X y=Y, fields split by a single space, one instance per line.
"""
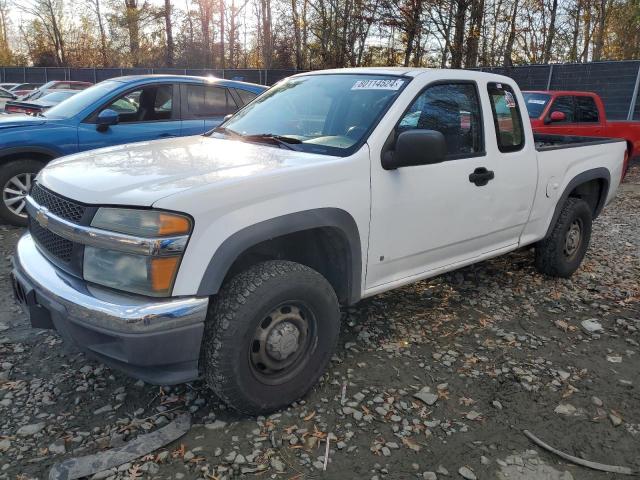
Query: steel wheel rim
x=573 y=239
x=282 y=343
x=15 y=191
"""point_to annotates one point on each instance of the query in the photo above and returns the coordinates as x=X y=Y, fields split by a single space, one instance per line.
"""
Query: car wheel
x=562 y=252
x=16 y=178
x=269 y=336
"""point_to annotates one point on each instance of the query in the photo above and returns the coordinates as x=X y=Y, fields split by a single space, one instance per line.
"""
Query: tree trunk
x=573 y=52
x=508 y=50
x=598 y=44
x=586 y=32
x=548 y=45
x=473 y=40
x=132 y=14
x=169 y=30
x=458 y=38
x=222 y=55
x=267 y=34
x=296 y=33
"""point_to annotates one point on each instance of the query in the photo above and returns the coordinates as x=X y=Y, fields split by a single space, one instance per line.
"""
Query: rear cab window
x=506 y=117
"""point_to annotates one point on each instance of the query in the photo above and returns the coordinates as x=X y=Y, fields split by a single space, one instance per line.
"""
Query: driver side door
x=148 y=112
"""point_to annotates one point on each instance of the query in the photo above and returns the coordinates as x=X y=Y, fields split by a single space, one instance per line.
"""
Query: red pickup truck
x=581 y=114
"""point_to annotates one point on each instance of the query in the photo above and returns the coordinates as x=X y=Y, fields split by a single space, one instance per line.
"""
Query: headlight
x=151 y=274
x=141 y=223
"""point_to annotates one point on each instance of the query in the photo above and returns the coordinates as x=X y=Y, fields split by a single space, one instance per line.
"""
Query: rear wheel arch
x=325 y=239
x=592 y=186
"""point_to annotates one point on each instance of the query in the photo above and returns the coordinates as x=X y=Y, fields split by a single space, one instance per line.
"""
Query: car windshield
x=74 y=105
x=329 y=114
x=535 y=103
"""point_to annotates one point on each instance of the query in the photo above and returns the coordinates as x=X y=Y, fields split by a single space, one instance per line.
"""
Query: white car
x=227 y=256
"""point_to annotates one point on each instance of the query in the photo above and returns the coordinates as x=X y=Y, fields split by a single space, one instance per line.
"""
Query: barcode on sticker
x=378 y=84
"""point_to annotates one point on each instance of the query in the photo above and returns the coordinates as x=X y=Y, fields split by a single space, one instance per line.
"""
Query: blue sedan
x=113 y=112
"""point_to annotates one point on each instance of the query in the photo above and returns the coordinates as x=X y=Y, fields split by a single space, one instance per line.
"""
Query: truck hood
x=9 y=121
x=140 y=174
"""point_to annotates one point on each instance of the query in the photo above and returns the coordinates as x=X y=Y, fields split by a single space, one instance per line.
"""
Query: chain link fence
x=616 y=82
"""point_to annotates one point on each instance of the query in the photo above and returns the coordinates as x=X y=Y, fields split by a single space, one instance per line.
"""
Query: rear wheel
x=16 y=178
x=562 y=252
x=269 y=336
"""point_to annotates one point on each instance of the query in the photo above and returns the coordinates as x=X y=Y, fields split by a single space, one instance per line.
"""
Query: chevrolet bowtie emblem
x=42 y=218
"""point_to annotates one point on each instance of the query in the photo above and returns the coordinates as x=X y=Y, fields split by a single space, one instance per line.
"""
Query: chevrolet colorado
x=227 y=256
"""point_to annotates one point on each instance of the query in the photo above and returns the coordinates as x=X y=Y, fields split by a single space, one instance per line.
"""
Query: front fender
x=244 y=239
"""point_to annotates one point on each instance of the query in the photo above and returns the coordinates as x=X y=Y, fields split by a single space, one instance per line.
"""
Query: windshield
x=74 y=105
x=535 y=103
x=329 y=114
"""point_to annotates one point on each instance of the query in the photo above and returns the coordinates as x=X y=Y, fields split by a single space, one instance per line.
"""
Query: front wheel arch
x=221 y=265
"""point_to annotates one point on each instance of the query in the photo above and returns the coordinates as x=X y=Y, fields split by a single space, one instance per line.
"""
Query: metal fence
x=618 y=83
x=95 y=75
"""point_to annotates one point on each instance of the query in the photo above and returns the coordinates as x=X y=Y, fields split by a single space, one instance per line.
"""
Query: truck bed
x=545 y=142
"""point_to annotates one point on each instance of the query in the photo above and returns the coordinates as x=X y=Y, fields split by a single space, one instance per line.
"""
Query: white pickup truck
x=227 y=256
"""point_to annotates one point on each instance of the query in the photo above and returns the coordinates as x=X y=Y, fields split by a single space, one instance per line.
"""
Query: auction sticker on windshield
x=390 y=84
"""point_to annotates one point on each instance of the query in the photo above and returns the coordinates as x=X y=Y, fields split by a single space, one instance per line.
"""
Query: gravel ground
x=434 y=380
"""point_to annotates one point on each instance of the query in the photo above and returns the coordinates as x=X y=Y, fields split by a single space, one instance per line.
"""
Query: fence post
x=549 y=78
x=634 y=96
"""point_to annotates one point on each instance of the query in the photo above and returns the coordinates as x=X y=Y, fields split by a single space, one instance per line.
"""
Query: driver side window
x=148 y=104
x=452 y=109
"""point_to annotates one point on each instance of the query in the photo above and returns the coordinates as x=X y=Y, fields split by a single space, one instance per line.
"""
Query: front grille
x=59 y=247
x=57 y=205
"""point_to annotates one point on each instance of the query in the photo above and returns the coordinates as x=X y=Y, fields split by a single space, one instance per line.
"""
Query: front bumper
x=156 y=340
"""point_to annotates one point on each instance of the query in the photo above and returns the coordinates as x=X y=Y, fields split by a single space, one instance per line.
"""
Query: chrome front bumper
x=157 y=340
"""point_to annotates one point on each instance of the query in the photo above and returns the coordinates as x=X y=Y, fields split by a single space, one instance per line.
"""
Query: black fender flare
x=246 y=238
x=599 y=173
x=28 y=149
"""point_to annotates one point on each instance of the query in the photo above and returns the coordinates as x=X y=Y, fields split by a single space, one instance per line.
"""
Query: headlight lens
x=141 y=223
x=142 y=274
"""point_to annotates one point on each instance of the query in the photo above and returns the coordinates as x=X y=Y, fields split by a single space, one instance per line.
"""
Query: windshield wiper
x=280 y=140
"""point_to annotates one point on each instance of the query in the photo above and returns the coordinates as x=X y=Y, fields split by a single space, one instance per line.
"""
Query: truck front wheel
x=269 y=336
x=560 y=254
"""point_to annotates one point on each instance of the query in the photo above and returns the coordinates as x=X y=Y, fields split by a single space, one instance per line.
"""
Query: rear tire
x=16 y=178
x=269 y=336
x=561 y=254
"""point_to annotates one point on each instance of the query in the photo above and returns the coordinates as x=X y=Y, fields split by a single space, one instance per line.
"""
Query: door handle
x=481 y=176
x=167 y=135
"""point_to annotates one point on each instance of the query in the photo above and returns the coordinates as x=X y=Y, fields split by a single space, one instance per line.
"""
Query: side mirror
x=557 y=117
x=227 y=117
x=416 y=147
x=106 y=118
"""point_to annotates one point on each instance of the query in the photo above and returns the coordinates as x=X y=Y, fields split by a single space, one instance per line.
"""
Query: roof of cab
x=188 y=79
x=410 y=72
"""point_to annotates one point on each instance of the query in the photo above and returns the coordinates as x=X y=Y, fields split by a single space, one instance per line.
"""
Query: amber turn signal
x=163 y=272
x=173 y=224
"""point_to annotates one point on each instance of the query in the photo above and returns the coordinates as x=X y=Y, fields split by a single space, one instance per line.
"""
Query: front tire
x=269 y=336
x=561 y=254
x=16 y=178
